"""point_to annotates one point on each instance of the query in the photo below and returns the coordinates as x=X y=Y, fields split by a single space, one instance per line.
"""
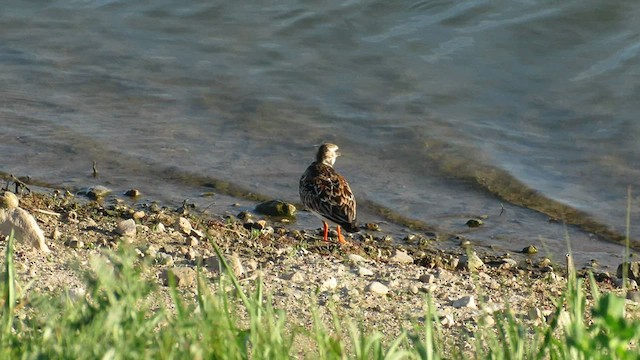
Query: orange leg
x=340 y=237
x=326 y=231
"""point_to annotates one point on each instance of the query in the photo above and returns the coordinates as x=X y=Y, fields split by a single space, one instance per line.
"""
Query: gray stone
x=354 y=258
x=329 y=284
x=472 y=262
x=126 y=228
x=401 y=257
x=363 y=271
x=378 y=288
x=427 y=278
x=466 y=301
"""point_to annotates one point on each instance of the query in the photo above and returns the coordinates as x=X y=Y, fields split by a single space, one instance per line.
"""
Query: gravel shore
x=384 y=286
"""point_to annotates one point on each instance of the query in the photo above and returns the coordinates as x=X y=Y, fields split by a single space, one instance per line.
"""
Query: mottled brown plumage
x=327 y=194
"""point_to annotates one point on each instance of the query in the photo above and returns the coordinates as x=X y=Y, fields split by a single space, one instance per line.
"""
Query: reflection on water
x=442 y=110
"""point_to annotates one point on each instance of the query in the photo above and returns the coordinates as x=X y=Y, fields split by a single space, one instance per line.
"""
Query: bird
x=327 y=194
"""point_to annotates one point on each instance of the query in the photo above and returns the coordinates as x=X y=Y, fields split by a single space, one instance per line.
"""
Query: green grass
x=118 y=320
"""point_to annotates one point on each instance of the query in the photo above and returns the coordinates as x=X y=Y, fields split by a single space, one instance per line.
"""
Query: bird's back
x=327 y=193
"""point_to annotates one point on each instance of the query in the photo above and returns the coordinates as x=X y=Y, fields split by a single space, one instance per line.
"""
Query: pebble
x=472 y=262
x=236 y=265
x=634 y=296
x=508 y=263
x=132 y=193
x=56 y=234
x=159 y=228
x=213 y=264
x=164 y=258
x=329 y=284
x=191 y=241
x=183 y=225
x=466 y=301
x=138 y=215
x=184 y=276
x=447 y=320
x=296 y=277
x=363 y=271
x=74 y=243
x=427 y=278
x=530 y=250
x=379 y=288
x=97 y=192
x=474 y=223
x=126 y=228
x=354 y=258
x=401 y=257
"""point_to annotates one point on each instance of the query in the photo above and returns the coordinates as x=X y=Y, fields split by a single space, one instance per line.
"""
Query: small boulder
x=276 y=208
x=466 y=301
x=24 y=226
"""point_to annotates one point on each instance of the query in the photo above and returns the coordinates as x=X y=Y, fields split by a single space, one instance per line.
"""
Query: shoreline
x=381 y=284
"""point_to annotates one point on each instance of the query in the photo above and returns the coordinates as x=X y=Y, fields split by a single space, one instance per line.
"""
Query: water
x=518 y=111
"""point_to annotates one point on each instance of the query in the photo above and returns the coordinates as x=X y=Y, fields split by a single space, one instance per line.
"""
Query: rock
x=508 y=263
x=159 y=227
x=465 y=301
x=363 y=271
x=133 y=193
x=378 y=288
x=76 y=293
x=276 y=208
x=56 y=234
x=530 y=250
x=535 y=314
x=447 y=320
x=74 y=243
x=401 y=257
x=372 y=226
x=633 y=296
x=236 y=265
x=329 y=284
x=164 y=258
x=355 y=259
x=191 y=241
x=9 y=201
x=184 y=276
x=96 y=192
x=138 y=215
x=244 y=215
x=126 y=228
x=633 y=270
x=427 y=278
x=24 y=226
x=296 y=277
x=197 y=233
x=474 y=223
x=183 y=225
x=472 y=262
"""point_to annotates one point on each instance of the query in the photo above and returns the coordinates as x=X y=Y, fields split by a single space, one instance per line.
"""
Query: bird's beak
x=338 y=153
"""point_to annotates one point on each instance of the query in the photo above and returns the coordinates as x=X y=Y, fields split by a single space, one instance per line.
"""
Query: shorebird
x=327 y=194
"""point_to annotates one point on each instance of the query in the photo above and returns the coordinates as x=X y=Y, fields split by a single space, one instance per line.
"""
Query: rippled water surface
x=517 y=111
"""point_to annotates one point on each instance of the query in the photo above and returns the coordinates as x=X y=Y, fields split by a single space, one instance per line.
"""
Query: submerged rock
x=530 y=250
x=277 y=208
x=474 y=223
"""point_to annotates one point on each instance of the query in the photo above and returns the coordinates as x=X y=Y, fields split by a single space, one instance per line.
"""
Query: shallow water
x=443 y=111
